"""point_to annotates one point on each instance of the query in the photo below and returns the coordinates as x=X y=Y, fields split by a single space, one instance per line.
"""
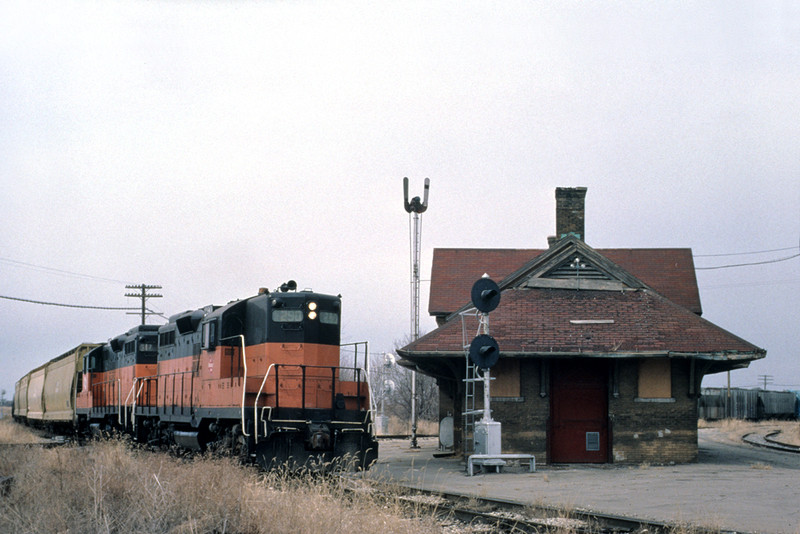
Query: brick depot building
x=602 y=351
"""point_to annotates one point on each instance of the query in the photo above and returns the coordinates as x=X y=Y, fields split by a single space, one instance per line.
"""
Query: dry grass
x=109 y=487
x=12 y=433
x=790 y=435
x=761 y=466
x=736 y=428
x=402 y=427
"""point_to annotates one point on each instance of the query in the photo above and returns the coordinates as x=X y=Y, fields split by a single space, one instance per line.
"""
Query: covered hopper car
x=751 y=404
x=48 y=395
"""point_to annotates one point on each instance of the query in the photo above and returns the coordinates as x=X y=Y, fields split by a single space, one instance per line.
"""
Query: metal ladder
x=471 y=377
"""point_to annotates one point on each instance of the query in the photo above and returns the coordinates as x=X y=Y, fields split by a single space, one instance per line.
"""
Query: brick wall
x=654 y=432
x=659 y=431
x=570 y=217
x=524 y=419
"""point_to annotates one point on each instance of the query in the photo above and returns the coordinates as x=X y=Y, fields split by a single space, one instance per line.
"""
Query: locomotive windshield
x=148 y=349
x=329 y=317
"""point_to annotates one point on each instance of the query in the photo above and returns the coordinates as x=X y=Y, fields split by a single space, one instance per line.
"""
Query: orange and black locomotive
x=261 y=378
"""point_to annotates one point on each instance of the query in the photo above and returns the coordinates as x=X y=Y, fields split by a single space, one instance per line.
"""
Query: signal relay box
x=486 y=438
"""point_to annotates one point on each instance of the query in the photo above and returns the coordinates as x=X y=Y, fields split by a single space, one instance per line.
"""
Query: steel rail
x=515 y=516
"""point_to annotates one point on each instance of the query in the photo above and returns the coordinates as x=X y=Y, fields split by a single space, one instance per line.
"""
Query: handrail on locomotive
x=357 y=373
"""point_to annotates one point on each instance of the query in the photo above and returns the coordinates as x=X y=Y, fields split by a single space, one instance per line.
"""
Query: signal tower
x=415 y=208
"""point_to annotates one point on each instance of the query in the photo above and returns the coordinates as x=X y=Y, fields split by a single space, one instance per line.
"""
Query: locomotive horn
x=291 y=285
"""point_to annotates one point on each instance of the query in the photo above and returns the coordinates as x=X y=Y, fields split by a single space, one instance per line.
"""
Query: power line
x=30 y=301
x=743 y=253
x=151 y=311
x=747 y=264
x=61 y=272
x=755 y=284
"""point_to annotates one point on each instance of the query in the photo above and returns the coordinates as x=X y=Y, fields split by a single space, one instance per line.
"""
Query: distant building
x=602 y=351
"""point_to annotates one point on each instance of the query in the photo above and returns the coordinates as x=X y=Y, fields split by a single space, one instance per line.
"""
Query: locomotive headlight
x=312 y=310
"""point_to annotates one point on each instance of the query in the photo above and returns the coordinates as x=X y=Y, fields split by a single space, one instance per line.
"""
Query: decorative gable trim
x=575 y=283
x=578 y=267
x=572 y=264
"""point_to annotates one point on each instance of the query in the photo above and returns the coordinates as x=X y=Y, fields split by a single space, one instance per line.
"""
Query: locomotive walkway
x=733 y=486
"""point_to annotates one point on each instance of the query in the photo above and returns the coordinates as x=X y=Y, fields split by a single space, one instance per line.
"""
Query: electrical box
x=487 y=437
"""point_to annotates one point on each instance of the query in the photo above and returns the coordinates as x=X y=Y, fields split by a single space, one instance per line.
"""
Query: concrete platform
x=733 y=486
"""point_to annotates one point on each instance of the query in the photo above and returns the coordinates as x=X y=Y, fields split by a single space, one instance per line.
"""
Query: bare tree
x=427 y=395
x=391 y=385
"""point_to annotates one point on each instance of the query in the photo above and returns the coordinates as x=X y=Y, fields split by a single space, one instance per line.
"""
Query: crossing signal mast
x=144 y=295
x=415 y=208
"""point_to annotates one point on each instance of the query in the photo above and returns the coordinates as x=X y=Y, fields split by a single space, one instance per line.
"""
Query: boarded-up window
x=655 y=379
x=506 y=378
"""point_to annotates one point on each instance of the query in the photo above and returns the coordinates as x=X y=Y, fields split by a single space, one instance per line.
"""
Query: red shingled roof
x=543 y=321
x=669 y=271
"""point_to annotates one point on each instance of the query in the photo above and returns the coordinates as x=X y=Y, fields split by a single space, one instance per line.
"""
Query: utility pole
x=767 y=379
x=415 y=207
x=144 y=295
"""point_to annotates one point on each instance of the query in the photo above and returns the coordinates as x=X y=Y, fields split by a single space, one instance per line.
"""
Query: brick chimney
x=569 y=213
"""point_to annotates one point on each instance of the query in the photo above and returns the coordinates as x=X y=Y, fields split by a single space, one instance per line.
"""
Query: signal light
x=484 y=351
x=485 y=294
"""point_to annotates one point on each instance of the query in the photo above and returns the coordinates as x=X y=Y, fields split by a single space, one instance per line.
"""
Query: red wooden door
x=579 y=412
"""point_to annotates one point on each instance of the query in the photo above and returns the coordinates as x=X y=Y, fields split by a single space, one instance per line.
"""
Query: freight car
x=260 y=378
x=751 y=404
x=48 y=395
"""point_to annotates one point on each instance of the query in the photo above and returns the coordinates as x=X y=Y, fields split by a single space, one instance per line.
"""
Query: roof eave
x=732 y=356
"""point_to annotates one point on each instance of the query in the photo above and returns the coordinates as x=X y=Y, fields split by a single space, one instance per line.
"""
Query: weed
x=109 y=487
x=13 y=433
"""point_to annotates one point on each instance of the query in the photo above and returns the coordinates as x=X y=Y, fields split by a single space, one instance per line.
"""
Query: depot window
x=655 y=379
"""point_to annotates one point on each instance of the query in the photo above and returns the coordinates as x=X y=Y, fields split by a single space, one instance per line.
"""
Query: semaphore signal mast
x=415 y=208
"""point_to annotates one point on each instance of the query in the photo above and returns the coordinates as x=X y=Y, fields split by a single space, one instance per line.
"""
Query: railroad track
x=44 y=443
x=498 y=515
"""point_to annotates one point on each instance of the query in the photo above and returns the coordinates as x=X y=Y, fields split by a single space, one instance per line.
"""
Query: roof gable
x=669 y=271
x=572 y=264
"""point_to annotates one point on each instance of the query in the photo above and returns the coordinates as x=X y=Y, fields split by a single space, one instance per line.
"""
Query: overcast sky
x=214 y=148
